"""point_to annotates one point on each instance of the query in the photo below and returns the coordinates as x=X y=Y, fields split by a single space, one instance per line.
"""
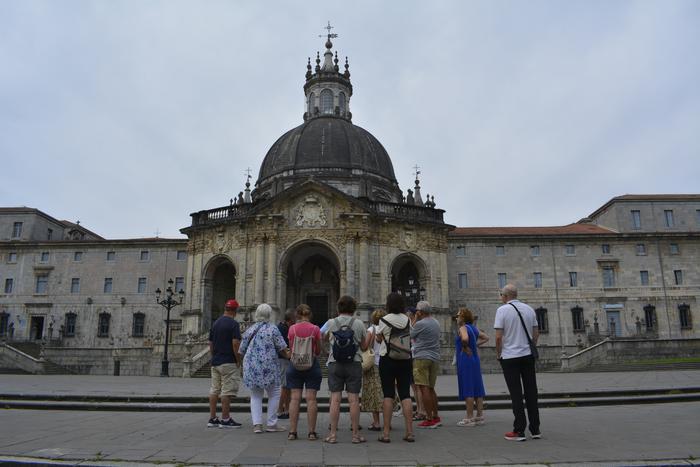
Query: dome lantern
x=328 y=90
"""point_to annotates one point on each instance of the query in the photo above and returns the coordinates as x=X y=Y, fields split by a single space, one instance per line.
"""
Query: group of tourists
x=399 y=350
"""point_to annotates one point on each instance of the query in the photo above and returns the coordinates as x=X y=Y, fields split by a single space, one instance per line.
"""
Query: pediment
x=312 y=204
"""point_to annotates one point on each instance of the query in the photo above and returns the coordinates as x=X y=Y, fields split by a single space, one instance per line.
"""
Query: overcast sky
x=130 y=115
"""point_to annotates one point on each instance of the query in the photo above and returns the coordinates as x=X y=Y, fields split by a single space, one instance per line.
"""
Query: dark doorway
x=223 y=288
x=36 y=328
x=312 y=277
x=320 y=308
x=406 y=280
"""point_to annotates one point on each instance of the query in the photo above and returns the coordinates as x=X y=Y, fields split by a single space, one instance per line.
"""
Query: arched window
x=326 y=101
x=311 y=104
x=341 y=103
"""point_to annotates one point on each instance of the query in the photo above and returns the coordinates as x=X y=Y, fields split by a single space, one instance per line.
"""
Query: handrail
x=34 y=359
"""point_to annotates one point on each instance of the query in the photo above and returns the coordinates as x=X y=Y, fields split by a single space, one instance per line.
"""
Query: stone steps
x=639 y=366
x=240 y=405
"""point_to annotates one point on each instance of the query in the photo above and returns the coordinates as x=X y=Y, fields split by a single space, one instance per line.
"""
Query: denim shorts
x=310 y=378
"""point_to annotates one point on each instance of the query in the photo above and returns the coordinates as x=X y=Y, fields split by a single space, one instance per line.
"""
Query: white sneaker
x=479 y=420
x=467 y=422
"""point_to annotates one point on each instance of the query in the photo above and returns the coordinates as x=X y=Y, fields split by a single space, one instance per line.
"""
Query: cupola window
x=326 y=102
x=341 y=103
x=311 y=103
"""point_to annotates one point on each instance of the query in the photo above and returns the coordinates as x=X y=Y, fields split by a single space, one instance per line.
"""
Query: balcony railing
x=382 y=209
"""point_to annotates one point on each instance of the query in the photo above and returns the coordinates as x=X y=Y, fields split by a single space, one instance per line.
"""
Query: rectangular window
x=501 y=280
x=4 y=322
x=108 y=285
x=678 y=276
x=650 y=317
x=537 y=279
x=500 y=250
x=9 y=284
x=697 y=216
x=42 y=284
x=577 y=319
x=138 y=325
x=636 y=220
x=17 y=230
x=641 y=249
x=644 y=277
x=668 y=217
x=69 y=329
x=145 y=255
x=542 y=324
x=103 y=326
x=573 y=279
x=608 y=276
x=12 y=257
x=111 y=256
x=49 y=234
x=179 y=284
x=44 y=257
x=686 y=318
x=142 y=285
x=461 y=250
x=570 y=250
x=606 y=248
x=674 y=250
x=462 y=279
x=75 y=285
x=78 y=256
x=535 y=250
x=181 y=255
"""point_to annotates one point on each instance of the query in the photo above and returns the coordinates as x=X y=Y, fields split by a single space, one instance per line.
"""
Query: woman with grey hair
x=261 y=345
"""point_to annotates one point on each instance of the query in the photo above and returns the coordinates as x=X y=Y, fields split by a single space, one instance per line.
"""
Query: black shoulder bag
x=533 y=347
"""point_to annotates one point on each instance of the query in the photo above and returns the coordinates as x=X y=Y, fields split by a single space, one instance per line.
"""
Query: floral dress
x=260 y=366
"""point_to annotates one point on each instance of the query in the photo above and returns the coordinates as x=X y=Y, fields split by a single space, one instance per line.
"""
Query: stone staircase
x=32 y=352
x=639 y=366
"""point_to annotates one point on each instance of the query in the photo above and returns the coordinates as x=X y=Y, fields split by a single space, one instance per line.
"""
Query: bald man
x=516 y=325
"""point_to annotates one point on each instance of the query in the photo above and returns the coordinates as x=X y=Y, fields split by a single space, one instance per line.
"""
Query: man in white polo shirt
x=514 y=353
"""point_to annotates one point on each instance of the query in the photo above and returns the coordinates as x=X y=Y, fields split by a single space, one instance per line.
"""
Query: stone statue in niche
x=310 y=213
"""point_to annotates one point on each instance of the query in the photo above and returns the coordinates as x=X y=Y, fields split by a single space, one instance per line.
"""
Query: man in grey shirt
x=425 y=335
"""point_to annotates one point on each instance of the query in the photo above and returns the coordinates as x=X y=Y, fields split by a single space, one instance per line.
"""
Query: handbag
x=367 y=359
x=533 y=347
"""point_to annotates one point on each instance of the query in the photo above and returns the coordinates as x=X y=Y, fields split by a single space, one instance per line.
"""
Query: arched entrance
x=312 y=277
x=219 y=285
x=408 y=278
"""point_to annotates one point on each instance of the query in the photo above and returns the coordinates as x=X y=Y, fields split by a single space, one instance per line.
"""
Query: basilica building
x=326 y=217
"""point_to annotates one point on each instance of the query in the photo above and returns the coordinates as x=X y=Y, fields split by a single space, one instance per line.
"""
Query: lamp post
x=168 y=303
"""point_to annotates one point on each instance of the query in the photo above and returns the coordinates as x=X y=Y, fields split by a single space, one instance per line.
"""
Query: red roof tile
x=571 y=229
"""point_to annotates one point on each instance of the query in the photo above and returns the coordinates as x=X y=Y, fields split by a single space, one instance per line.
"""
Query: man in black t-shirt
x=224 y=340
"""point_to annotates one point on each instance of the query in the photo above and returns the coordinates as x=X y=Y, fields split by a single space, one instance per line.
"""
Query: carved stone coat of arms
x=310 y=213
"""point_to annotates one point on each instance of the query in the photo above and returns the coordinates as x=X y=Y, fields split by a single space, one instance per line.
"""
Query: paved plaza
x=610 y=435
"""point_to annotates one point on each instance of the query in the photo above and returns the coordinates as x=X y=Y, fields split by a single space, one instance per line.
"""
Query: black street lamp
x=168 y=303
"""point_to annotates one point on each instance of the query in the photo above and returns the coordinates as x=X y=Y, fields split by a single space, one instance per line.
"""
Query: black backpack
x=344 y=347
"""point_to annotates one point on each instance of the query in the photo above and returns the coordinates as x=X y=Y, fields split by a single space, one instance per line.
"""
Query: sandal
x=358 y=439
x=292 y=436
x=313 y=436
x=409 y=438
x=419 y=417
x=382 y=439
x=374 y=428
x=330 y=439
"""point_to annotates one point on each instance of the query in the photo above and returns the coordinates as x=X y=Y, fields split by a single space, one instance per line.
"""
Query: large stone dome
x=334 y=151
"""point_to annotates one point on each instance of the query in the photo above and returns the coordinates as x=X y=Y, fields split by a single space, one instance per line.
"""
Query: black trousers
x=516 y=370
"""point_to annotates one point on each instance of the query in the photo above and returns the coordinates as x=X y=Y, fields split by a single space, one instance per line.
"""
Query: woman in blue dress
x=469 y=379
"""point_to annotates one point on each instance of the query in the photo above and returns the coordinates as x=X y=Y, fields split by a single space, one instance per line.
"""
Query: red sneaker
x=426 y=424
x=436 y=422
x=515 y=436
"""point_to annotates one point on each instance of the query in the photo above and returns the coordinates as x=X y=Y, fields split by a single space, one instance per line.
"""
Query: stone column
x=350 y=266
x=271 y=287
x=259 y=270
x=364 y=270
